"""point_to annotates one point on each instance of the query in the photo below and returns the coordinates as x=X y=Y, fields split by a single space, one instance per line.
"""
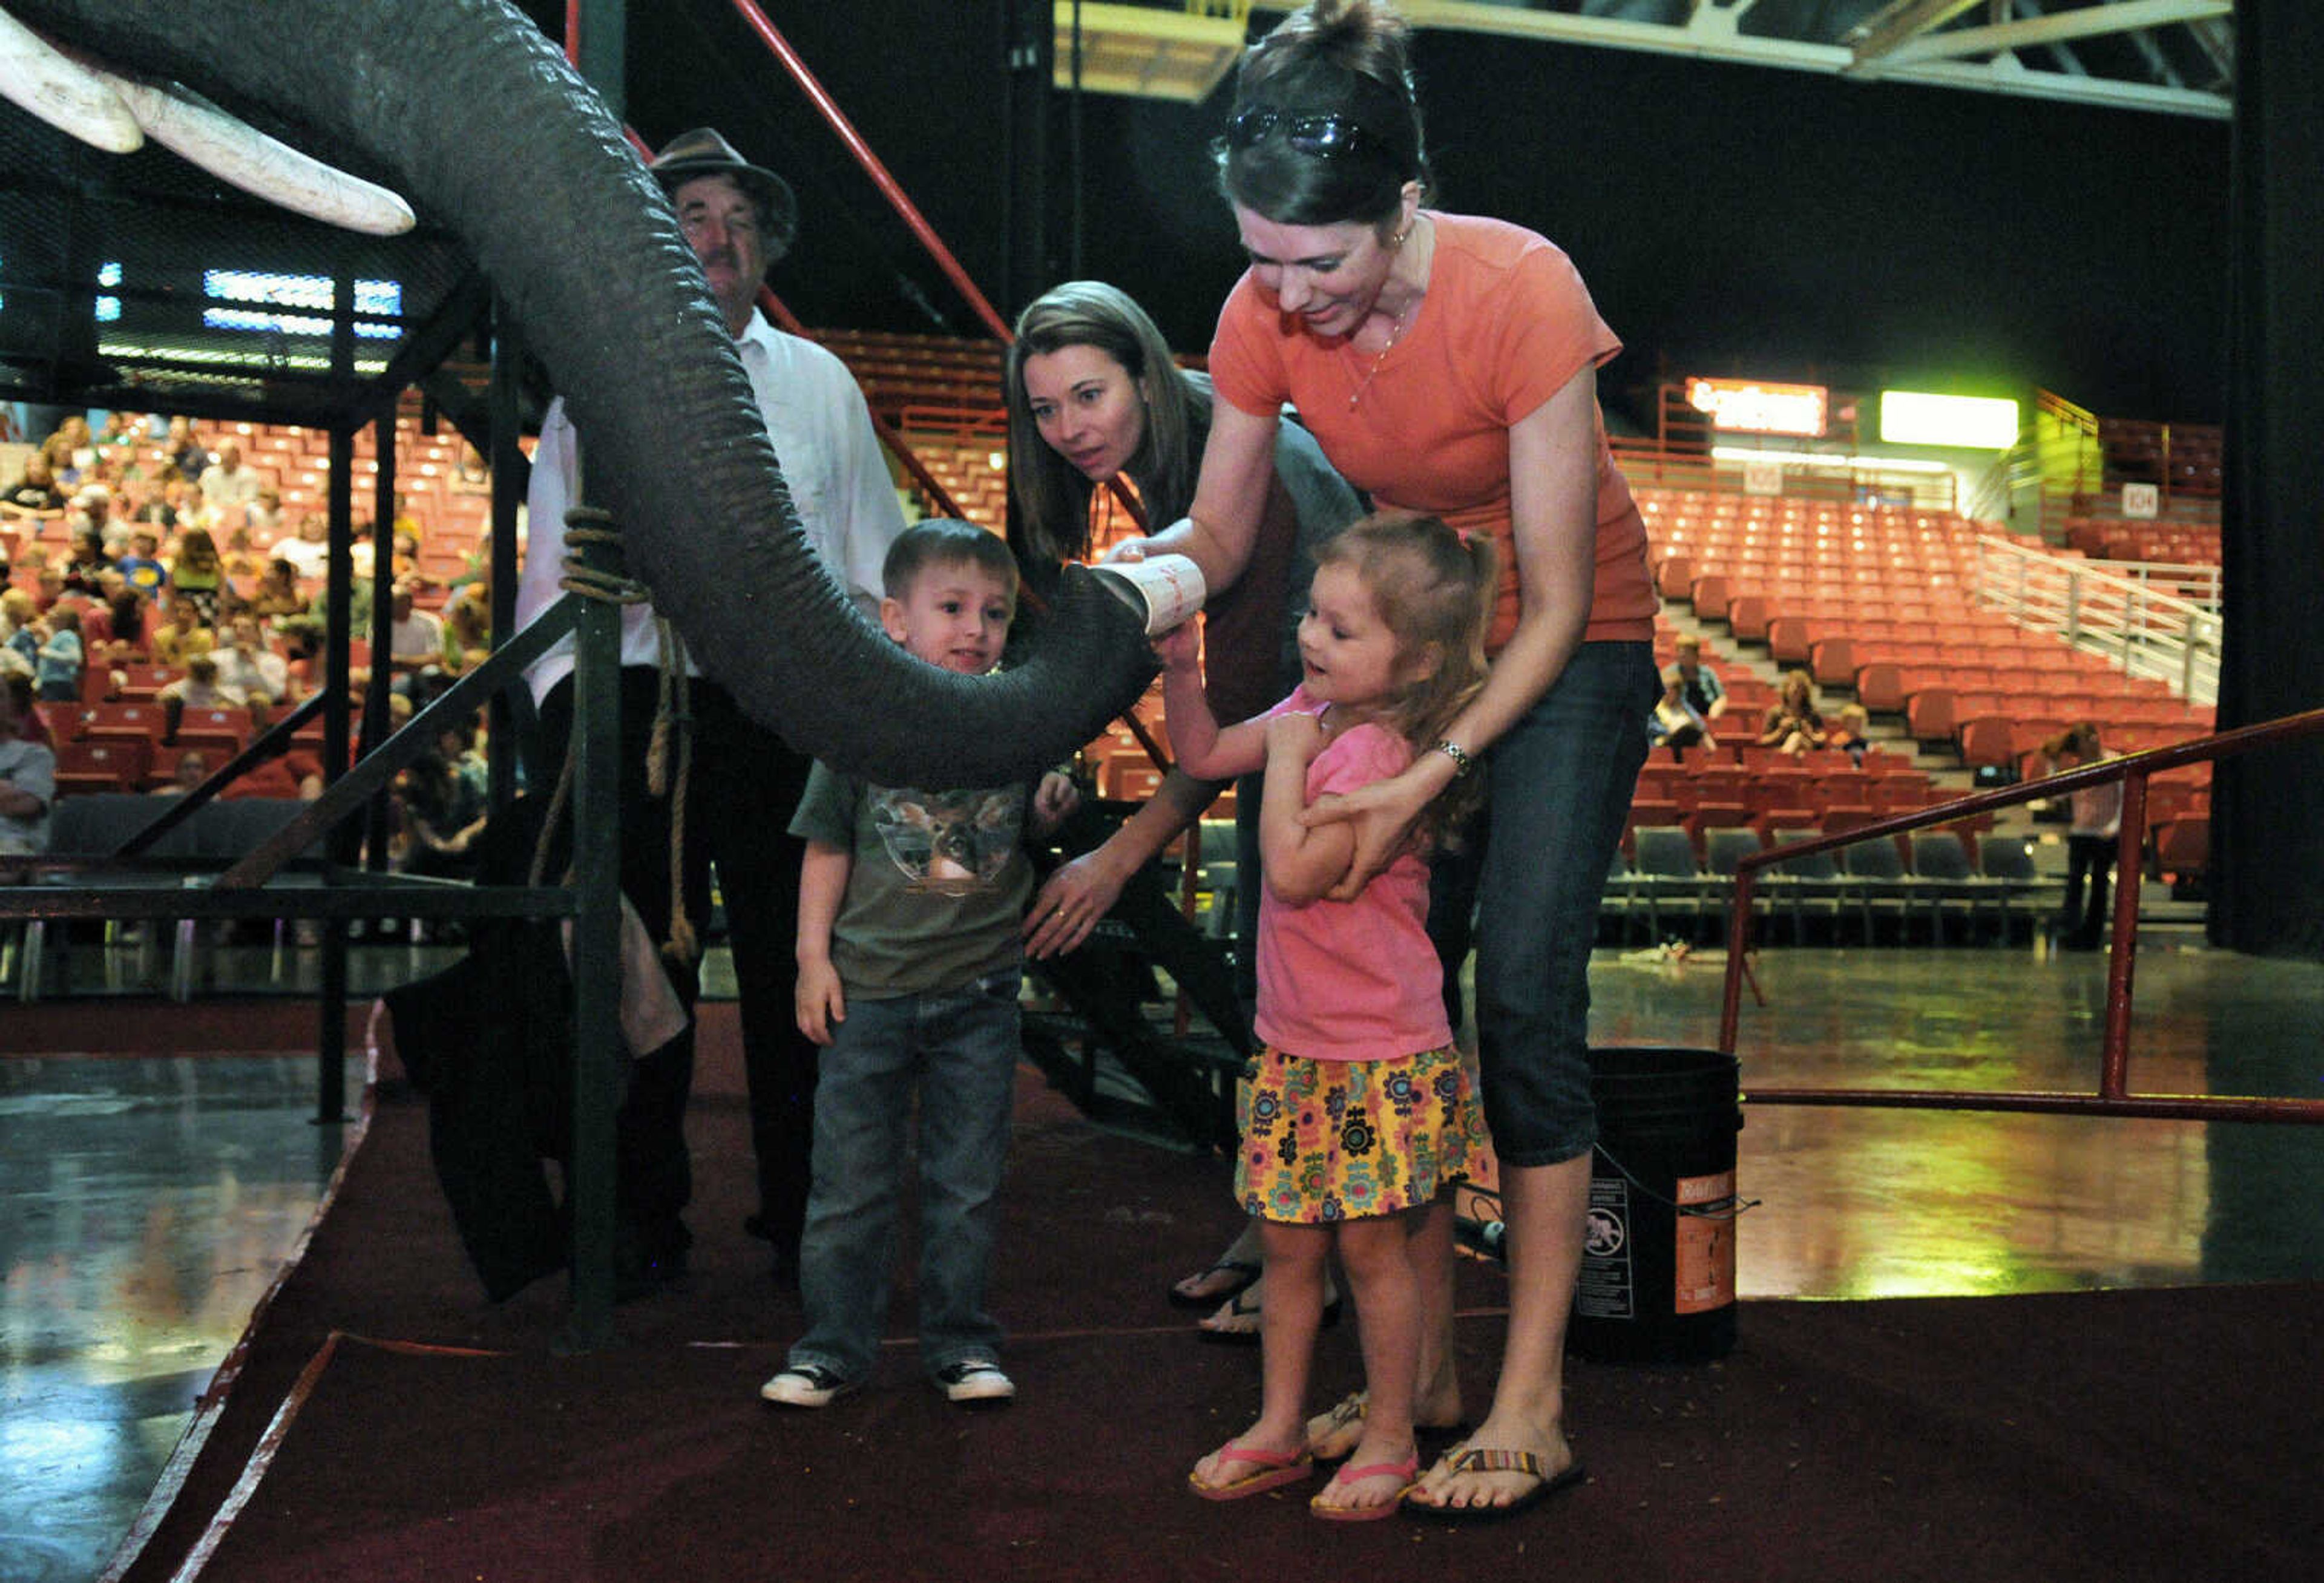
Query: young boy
x=909 y=962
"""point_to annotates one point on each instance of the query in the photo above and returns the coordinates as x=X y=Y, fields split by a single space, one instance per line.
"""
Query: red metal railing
x=2114 y=1096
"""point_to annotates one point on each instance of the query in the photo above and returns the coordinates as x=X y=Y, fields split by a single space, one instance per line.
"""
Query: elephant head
x=480 y=123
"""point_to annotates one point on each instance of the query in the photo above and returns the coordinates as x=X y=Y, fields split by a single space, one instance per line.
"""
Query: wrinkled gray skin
x=472 y=116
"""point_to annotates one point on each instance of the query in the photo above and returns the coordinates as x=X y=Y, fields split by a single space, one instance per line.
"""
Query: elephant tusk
x=43 y=80
x=242 y=156
x=116 y=113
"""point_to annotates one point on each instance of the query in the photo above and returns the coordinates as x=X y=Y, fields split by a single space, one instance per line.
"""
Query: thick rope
x=673 y=713
x=674 y=717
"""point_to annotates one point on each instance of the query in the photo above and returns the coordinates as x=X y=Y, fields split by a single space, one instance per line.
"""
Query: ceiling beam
x=1901 y=21
x=1710 y=33
x=2088 y=22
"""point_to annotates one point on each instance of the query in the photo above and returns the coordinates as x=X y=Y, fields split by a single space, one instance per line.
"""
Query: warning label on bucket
x=1605 y=1289
x=1705 y=1275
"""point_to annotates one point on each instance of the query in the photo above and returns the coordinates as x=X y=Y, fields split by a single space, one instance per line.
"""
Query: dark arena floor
x=2130 y=1393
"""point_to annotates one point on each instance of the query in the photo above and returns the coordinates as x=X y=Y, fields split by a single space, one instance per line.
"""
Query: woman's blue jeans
x=1563 y=778
x=959 y=1051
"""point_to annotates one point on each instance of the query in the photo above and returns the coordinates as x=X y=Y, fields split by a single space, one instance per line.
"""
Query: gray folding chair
x=1667 y=871
x=1876 y=870
x=1728 y=846
x=1814 y=879
x=1942 y=877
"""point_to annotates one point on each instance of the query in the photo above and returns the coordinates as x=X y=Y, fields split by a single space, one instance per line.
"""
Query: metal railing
x=2113 y=1095
x=2152 y=620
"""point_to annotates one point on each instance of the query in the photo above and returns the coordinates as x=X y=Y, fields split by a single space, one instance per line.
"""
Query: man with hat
x=743 y=781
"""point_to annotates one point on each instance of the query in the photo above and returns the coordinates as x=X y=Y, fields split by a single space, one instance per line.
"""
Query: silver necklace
x=1395 y=334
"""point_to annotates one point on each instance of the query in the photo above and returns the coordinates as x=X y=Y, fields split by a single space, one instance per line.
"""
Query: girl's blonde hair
x=1433 y=590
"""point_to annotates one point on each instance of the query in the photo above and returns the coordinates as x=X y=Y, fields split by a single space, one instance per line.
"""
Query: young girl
x=1360 y=1115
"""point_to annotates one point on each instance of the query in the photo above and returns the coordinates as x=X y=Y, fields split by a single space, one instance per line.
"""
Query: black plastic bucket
x=1657 y=1282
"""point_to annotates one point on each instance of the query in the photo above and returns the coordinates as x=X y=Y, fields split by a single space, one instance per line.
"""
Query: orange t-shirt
x=1505 y=325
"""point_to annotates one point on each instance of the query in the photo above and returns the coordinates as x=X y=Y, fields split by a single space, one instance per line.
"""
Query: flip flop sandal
x=1434 y=1438
x=1483 y=1460
x=1238 y=1309
x=1406 y=1473
x=1270 y=1470
x=1247 y=1275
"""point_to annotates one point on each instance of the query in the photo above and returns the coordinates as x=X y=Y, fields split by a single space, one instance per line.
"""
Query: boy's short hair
x=941 y=542
x=201 y=667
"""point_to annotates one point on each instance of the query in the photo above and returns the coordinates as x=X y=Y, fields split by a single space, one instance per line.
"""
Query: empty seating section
x=900 y=374
x=974 y=470
x=1879 y=603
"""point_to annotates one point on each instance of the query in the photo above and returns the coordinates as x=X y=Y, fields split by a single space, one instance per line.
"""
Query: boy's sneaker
x=806 y=1386
x=976 y=1383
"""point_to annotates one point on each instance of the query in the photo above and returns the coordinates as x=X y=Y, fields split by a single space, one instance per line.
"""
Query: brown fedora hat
x=703 y=152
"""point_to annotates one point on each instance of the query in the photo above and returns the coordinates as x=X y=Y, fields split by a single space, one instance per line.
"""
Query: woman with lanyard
x=1447 y=364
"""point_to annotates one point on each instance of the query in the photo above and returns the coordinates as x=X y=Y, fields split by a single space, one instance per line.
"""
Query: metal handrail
x=2114 y=1096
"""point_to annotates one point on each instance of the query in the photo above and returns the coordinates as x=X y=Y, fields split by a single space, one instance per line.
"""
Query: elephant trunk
x=465 y=107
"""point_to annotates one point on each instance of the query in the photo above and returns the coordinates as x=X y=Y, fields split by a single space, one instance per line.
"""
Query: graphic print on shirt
x=947 y=842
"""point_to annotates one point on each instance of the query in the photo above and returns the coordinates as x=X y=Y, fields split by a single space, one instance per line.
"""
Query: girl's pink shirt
x=1352 y=981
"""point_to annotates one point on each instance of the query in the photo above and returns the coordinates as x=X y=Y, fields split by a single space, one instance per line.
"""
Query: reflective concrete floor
x=150 y=1200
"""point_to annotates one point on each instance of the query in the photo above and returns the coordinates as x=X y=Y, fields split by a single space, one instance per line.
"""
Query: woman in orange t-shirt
x=1447 y=363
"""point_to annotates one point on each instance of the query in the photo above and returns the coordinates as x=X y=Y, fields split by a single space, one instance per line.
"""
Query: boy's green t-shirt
x=937 y=886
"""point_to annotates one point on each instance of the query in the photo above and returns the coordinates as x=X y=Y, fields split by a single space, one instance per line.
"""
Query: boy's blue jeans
x=959 y=1051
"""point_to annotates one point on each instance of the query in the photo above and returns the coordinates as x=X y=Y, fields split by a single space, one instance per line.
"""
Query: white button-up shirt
x=830 y=457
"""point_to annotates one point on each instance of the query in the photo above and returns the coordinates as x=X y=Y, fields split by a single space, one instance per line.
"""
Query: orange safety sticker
x=1704 y=1278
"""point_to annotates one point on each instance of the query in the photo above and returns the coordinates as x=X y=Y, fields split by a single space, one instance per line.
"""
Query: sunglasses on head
x=1326 y=136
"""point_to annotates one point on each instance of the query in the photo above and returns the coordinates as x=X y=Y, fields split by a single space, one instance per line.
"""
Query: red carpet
x=2105 y=1436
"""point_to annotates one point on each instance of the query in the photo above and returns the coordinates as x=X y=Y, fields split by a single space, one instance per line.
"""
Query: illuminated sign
x=1750 y=406
x=313 y=293
x=1912 y=417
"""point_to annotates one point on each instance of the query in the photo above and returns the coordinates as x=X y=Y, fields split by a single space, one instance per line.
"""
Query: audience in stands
x=228 y=485
x=467 y=628
x=277 y=593
x=196 y=689
x=1851 y=732
x=34 y=495
x=197 y=510
x=200 y=575
x=20 y=616
x=444 y=800
x=142 y=565
x=1704 y=689
x=28 y=771
x=249 y=672
x=415 y=638
x=129 y=617
x=85 y=560
x=185 y=449
x=71 y=450
x=56 y=666
x=309 y=552
x=192 y=769
x=1793 y=725
x=469 y=476
x=264 y=518
x=1675 y=722
x=186 y=634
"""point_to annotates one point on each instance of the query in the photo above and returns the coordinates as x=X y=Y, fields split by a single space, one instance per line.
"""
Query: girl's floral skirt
x=1336 y=1140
